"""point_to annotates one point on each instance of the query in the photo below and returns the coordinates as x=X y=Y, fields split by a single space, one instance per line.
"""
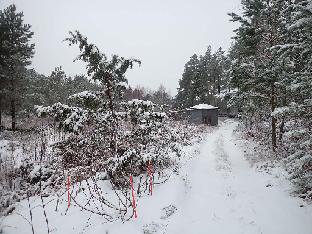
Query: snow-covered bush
x=69 y=118
x=125 y=148
x=140 y=136
x=106 y=136
x=20 y=173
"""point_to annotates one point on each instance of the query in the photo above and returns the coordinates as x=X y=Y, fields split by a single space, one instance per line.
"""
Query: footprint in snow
x=157 y=228
x=154 y=228
x=168 y=211
x=251 y=223
x=230 y=193
x=186 y=182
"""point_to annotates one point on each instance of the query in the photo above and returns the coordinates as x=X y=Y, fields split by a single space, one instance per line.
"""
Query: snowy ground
x=215 y=192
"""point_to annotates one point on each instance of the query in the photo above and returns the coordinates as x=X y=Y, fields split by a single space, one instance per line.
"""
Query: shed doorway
x=207 y=120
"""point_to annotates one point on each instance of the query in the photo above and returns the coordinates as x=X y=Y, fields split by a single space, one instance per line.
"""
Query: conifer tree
x=187 y=90
x=203 y=79
x=256 y=66
x=272 y=70
x=15 y=54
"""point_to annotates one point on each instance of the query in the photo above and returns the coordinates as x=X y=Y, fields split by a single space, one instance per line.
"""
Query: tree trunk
x=0 y=113
x=13 y=114
x=282 y=125
x=219 y=85
x=281 y=130
x=273 y=106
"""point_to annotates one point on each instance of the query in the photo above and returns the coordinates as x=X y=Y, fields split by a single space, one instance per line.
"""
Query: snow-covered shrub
x=89 y=99
x=108 y=136
x=140 y=136
x=69 y=118
x=20 y=156
x=138 y=131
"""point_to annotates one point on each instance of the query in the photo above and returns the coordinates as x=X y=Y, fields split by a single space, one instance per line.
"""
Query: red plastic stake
x=150 y=173
x=68 y=192
x=133 y=198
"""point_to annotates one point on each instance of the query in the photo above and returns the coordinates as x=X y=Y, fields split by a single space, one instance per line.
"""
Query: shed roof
x=203 y=107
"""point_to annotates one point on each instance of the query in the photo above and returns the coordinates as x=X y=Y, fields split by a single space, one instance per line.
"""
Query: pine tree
x=161 y=96
x=256 y=67
x=295 y=113
x=188 y=91
x=57 y=90
x=271 y=67
x=15 y=54
x=203 y=79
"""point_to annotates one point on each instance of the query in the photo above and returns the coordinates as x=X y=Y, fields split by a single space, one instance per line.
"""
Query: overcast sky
x=163 y=34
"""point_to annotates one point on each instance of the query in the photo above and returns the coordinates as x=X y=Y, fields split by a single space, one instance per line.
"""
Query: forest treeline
x=205 y=77
x=271 y=67
x=267 y=75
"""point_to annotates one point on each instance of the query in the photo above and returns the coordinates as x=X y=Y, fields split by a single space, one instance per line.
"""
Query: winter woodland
x=91 y=154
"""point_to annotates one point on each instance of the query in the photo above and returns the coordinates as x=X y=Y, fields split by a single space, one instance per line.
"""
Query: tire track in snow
x=218 y=192
x=221 y=157
x=210 y=176
x=232 y=158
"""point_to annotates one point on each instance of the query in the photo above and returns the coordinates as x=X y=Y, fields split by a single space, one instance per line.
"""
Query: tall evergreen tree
x=204 y=77
x=272 y=69
x=187 y=90
x=161 y=96
x=15 y=54
x=256 y=66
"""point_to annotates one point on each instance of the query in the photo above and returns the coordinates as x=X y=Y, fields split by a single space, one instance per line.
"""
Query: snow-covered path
x=215 y=192
x=226 y=195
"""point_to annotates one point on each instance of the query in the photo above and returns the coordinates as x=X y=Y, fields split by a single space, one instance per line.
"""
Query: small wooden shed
x=203 y=114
